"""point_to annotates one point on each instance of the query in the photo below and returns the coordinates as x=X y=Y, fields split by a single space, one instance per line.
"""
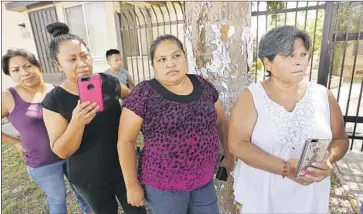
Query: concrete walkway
x=349 y=171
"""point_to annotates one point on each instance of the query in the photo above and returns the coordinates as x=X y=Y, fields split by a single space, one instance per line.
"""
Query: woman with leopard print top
x=182 y=121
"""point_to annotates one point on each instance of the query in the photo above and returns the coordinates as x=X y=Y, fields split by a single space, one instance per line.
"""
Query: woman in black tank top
x=85 y=138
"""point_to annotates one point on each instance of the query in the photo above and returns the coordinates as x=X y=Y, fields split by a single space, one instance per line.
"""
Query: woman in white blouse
x=268 y=127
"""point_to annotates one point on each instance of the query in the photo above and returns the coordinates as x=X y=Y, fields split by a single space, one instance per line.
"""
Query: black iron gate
x=336 y=30
x=39 y=19
x=140 y=25
x=341 y=70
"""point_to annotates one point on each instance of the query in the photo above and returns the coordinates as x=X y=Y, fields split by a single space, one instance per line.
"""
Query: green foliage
x=350 y=16
x=310 y=28
x=259 y=66
x=275 y=5
x=349 y=20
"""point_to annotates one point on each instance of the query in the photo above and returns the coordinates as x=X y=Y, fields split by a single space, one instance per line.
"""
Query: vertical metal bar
x=334 y=42
x=40 y=26
x=55 y=13
x=356 y=115
x=306 y=14
x=152 y=31
x=55 y=16
x=46 y=35
x=157 y=21
x=42 y=33
x=313 y=51
x=129 y=47
x=184 y=16
x=167 y=9
x=136 y=46
x=356 y=48
x=35 y=30
x=147 y=41
x=345 y=50
x=181 y=7
x=177 y=20
x=352 y=79
x=51 y=18
x=140 y=43
x=258 y=4
x=162 y=15
x=264 y=68
x=47 y=19
x=120 y=38
x=47 y=38
x=297 y=6
x=285 y=12
x=151 y=22
x=324 y=53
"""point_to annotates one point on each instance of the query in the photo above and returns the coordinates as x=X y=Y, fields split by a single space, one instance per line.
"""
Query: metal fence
x=268 y=15
x=39 y=19
x=343 y=72
x=336 y=32
x=140 y=26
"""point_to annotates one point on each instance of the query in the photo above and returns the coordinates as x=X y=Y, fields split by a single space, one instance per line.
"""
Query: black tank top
x=96 y=161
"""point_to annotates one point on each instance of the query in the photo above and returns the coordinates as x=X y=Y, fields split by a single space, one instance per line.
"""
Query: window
x=88 y=20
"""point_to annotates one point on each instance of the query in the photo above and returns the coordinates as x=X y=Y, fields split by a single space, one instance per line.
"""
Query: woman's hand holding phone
x=291 y=171
x=319 y=170
x=84 y=113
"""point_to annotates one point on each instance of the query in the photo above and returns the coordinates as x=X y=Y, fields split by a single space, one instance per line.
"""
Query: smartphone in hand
x=90 y=89
x=314 y=150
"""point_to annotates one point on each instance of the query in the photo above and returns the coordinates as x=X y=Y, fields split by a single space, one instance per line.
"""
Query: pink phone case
x=90 y=89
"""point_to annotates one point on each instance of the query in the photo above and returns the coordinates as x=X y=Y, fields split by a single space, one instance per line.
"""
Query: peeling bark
x=219 y=47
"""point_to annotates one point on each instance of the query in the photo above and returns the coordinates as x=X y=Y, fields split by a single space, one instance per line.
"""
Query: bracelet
x=284 y=170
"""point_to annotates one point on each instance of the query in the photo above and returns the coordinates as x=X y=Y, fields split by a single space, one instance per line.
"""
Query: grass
x=19 y=194
x=356 y=79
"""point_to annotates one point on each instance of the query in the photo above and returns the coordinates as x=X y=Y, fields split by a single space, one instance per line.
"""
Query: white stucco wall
x=13 y=36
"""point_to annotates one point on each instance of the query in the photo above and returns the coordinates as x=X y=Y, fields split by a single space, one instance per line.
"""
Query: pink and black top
x=180 y=134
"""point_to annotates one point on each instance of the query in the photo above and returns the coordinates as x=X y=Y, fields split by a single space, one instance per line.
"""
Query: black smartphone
x=222 y=173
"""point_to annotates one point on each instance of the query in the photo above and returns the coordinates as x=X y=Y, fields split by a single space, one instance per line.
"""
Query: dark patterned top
x=180 y=133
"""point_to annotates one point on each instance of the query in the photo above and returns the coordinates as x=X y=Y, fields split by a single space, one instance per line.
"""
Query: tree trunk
x=219 y=47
